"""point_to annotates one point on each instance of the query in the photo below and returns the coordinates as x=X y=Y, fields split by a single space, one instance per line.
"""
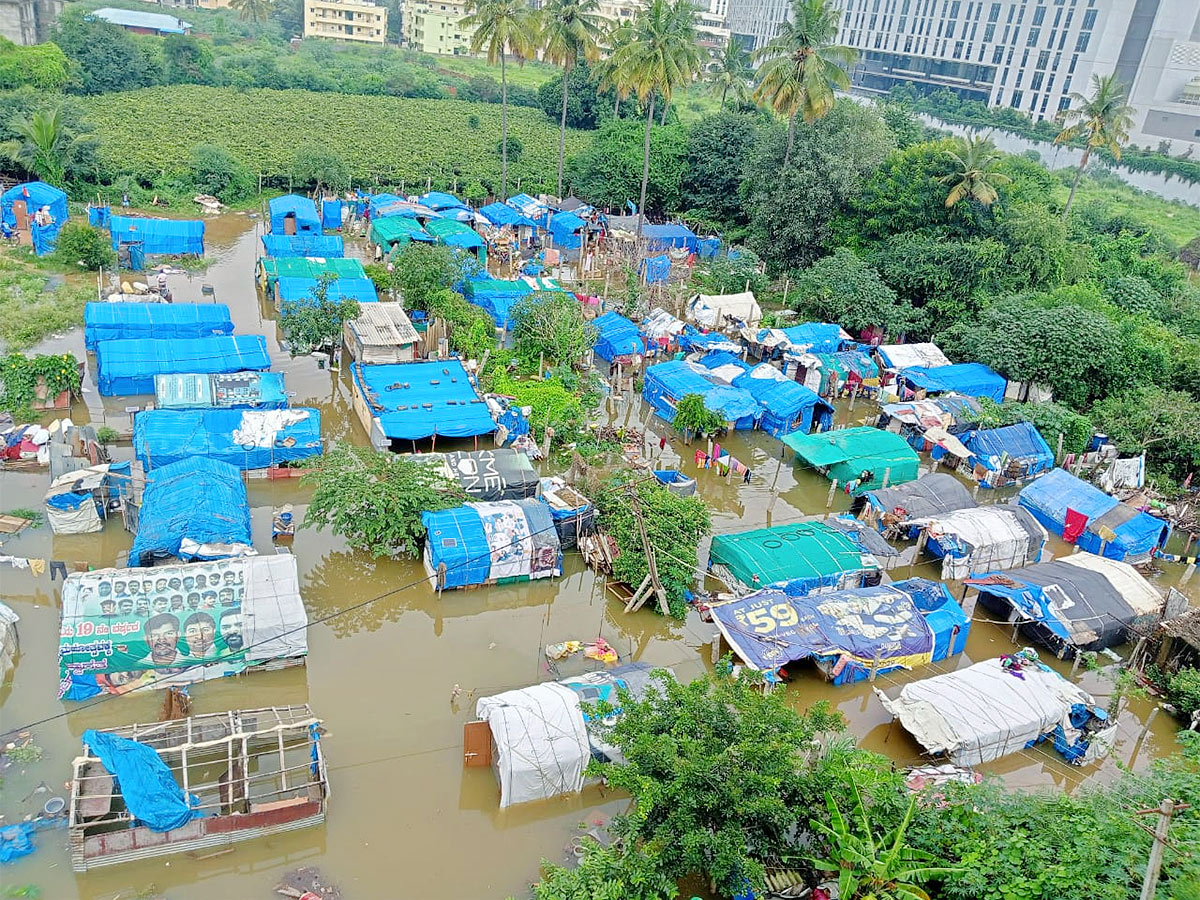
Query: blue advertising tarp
x=148 y=789
x=617 y=336
x=158 y=236
x=128 y=366
x=187 y=507
x=667 y=383
x=787 y=406
x=230 y=390
x=301 y=210
x=417 y=400
x=968 y=379
x=321 y=246
x=301 y=290
x=247 y=439
x=116 y=321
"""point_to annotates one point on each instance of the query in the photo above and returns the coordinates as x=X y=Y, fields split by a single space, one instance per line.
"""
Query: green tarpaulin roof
x=811 y=551
x=848 y=452
x=456 y=234
x=304 y=267
x=393 y=229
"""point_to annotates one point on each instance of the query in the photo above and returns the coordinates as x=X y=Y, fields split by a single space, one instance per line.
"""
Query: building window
x=1039 y=15
x=958 y=49
x=903 y=22
x=1057 y=17
x=997 y=55
x=1034 y=34
x=1089 y=20
x=994 y=13
x=1020 y=75
x=950 y=30
x=878 y=41
x=908 y=42
x=989 y=32
x=1017 y=97
x=1043 y=59
x=1071 y=68
x=1081 y=45
x=954 y=8
x=1064 y=103
x=1035 y=83
x=1045 y=100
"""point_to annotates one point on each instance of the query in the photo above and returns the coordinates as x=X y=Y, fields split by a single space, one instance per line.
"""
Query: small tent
x=981 y=539
x=79 y=502
x=565 y=230
x=293 y=214
x=671 y=236
x=905 y=356
x=22 y=202
x=863 y=455
x=496 y=296
x=304 y=291
x=458 y=235
x=303 y=245
x=617 y=337
x=396 y=231
x=196 y=508
x=494 y=542
x=665 y=384
x=936 y=494
x=128 y=366
x=247 y=439
x=712 y=310
x=501 y=214
x=967 y=379
x=417 y=400
x=787 y=406
x=1007 y=455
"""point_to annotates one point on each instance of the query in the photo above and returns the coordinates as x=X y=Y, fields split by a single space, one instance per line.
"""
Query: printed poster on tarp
x=128 y=628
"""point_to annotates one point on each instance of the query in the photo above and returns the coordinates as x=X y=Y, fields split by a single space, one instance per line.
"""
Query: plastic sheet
x=667 y=383
x=301 y=210
x=968 y=379
x=617 y=336
x=810 y=555
x=148 y=789
x=303 y=245
x=787 y=406
x=116 y=321
x=420 y=399
x=158 y=236
x=125 y=367
x=164 y=436
x=198 y=501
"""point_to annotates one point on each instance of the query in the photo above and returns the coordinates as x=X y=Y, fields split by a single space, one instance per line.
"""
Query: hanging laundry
x=746 y=479
x=37 y=566
x=58 y=567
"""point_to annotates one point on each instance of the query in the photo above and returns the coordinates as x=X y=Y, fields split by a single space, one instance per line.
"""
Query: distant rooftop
x=128 y=18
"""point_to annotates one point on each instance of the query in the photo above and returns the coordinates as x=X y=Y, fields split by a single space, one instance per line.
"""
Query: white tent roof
x=661 y=323
x=703 y=308
x=901 y=356
x=997 y=537
x=1139 y=593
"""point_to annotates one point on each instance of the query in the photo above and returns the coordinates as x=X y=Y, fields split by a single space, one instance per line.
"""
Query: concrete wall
x=28 y=21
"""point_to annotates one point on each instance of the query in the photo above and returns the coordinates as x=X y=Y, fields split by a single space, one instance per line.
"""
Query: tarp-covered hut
x=458 y=235
x=270 y=269
x=176 y=237
x=196 y=508
x=1003 y=456
x=863 y=455
x=967 y=379
x=497 y=296
x=500 y=474
x=417 y=400
x=787 y=406
x=396 y=231
x=849 y=634
x=234 y=390
x=670 y=236
x=1086 y=516
x=293 y=214
x=304 y=291
x=440 y=201
x=247 y=439
x=115 y=321
x=21 y=202
x=930 y=496
x=565 y=230
x=78 y=502
x=531 y=208
x=617 y=338
x=491 y=543
x=573 y=514
x=303 y=245
x=813 y=556
x=501 y=214
x=665 y=384
x=128 y=366
x=981 y=539
x=713 y=310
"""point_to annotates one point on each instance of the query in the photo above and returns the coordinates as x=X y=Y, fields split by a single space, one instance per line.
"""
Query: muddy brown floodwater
x=405 y=819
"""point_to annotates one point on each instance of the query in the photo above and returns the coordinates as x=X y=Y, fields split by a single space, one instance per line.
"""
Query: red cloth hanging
x=1075 y=523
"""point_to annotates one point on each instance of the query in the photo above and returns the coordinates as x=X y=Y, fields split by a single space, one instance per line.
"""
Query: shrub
x=85 y=246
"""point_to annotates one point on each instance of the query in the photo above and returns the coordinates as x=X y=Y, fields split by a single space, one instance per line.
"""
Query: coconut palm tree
x=42 y=144
x=503 y=27
x=607 y=74
x=1104 y=119
x=251 y=10
x=730 y=72
x=570 y=30
x=802 y=66
x=974 y=178
x=659 y=56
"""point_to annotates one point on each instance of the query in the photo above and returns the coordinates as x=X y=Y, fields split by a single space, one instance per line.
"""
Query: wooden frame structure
x=256 y=772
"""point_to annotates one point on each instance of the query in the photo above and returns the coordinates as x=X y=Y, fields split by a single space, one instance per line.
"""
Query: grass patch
x=34 y=516
x=29 y=311
x=531 y=75
x=1176 y=221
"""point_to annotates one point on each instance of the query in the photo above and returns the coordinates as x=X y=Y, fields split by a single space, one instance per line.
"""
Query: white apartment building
x=346 y=20
x=434 y=26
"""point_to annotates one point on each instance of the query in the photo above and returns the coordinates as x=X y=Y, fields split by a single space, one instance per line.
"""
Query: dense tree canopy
x=609 y=172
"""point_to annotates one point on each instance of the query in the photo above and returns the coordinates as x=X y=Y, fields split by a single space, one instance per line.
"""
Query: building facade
x=28 y=21
x=434 y=26
x=346 y=20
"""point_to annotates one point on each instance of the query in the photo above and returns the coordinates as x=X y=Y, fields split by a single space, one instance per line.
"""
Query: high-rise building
x=435 y=26
x=346 y=20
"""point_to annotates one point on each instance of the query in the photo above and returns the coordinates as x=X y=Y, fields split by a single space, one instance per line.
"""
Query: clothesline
x=723 y=463
x=39 y=566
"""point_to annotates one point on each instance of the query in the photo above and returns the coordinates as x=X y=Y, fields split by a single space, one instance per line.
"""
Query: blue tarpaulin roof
x=657 y=269
x=814 y=337
x=440 y=200
x=420 y=399
x=503 y=214
x=1138 y=534
x=617 y=336
x=200 y=500
x=158 y=236
x=1019 y=443
x=128 y=366
x=673 y=235
x=854 y=630
x=565 y=228
x=247 y=439
x=114 y=321
x=148 y=789
x=303 y=210
x=787 y=406
x=667 y=383
x=36 y=194
x=496 y=295
x=714 y=342
x=455 y=537
x=300 y=290
x=969 y=379
x=531 y=208
x=320 y=245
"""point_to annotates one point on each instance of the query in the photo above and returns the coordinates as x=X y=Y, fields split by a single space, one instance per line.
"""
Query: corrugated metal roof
x=129 y=18
x=384 y=325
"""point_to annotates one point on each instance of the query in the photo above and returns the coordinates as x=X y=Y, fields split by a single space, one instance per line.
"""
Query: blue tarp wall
x=1138 y=534
x=303 y=210
x=709 y=247
x=37 y=194
x=969 y=379
x=565 y=228
x=617 y=337
x=319 y=245
x=1020 y=441
x=456 y=537
x=496 y=296
x=128 y=366
x=300 y=290
x=417 y=400
x=331 y=214
x=98 y=216
x=117 y=321
x=165 y=436
x=674 y=235
x=200 y=499
x=657 y=269
x=148 y=789
x=158 y=236
x=787 y=406
x=503 y=214
x=674 y=380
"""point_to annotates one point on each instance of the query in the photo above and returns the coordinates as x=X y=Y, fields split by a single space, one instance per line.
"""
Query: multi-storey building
x=435 y=26
x=346 y=20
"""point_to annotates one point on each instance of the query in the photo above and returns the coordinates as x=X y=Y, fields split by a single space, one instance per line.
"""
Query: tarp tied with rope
x=808 y=555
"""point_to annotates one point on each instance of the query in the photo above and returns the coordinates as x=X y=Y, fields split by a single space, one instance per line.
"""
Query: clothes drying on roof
x=1086 y=516
x=412 y=401
x=849 y=634
x=617 y=338
x=1079 y=602
x=936 y=494
x=491 y=542
x=968 y=379
x=233 y=390
x=1004 y=456
x=904 y=356
x=665 y=384
x=982 y=539
x=293 y=214
x=864 y=456
x=247 y=439
x=811 y=555
x=196 y=508
x=114 y=321
x=998 y=707
x=304 y=244
x=706 y=309
x=158 y=236
x=126 y=367
x=787 y=406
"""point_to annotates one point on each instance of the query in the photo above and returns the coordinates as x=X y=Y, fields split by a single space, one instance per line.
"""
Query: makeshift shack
x=565 y=229
x=787 y=406
x=1079 y=602
x=672 y=236
x=661 y=328
x=531 y=208
x=125 y=367
x=906 y=356
x=268 y=270
x=304 y=291
x=852 y=635
x=966 y=379
x=23 y=205
x=715 y=310
x=932 y=425
x=1089 y=518
x=812 y=556
x=982 y=539
x=79 y=502
x=175 y=237
x=232 y=390
x=196 y=785
x=573 y=514
x=500 y=474
x=248 y=616
x=440 y=201
x=834 y=374
x=10 y=644
x=303 y=245
x=491 y=543
x=389 y=206
x=412 y=401
x=458 y=235
x=501 y=214
x=381 y=335
x=808 y=337
x=293 y=214
x=1008 y=455
x=930 y=496
x=539 y=739
x=861 y=458
x=248 y=439
x=496 y=296
x=397 y=231
x=117 y=321
x=193 y=509
x=665 y=384
x=617 y=339
x=1000 y=706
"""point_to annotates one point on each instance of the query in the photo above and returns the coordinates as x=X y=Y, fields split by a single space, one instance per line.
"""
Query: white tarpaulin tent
x=903 y=356
x=984 y=712
x=661 y=323
x=988 y=537
x=8 y=641
x=70 y=506
x=703 y=309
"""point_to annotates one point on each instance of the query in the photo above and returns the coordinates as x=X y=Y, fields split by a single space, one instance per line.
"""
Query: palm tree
x=252 y=10
x=42 y=144
x=607 y=74
x=570 y=30
x=503 y=27
x=1104 y=119
x=730 y=71
x=659 y=56
x=975 y=177
x=803 y=66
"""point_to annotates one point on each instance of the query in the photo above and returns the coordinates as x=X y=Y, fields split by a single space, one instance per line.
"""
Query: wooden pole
x=1150 y=882
x=832 y=489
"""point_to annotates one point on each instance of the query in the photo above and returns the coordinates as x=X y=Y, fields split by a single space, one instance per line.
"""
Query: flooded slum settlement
x=200 y=697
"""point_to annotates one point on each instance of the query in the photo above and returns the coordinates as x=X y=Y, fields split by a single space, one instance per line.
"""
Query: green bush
x=1183 y=690
x=84 y=246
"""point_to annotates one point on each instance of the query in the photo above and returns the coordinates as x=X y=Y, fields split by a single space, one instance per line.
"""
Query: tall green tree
x=1104 y=120
x=802 y=66
x=660 y=56
x=730 y=72
x=975 y=176
x=503 y=27
x=252 y=10
x=570 y=30
x=43 y=144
